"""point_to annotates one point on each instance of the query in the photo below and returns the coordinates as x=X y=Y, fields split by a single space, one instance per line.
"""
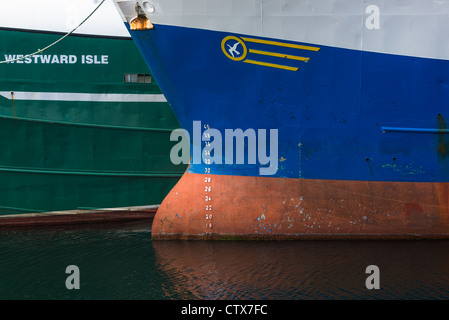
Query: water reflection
x=121 y=262
x=303 y=269
x=115 y=262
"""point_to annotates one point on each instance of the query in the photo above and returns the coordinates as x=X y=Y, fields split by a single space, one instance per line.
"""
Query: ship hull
x=284 y=208
x=360 y=119
x=75 y=136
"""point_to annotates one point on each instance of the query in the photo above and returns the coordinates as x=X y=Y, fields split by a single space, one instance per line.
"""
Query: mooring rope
x=60 y=39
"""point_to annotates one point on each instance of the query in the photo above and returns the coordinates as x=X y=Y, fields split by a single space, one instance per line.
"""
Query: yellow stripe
x=281 y=44
x=271 y=65
x=280 y=55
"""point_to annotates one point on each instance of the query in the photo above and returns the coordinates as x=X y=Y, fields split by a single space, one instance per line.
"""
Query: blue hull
x=342 y=115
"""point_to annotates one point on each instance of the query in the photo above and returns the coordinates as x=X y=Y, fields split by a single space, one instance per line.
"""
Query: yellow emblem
x=236 y=49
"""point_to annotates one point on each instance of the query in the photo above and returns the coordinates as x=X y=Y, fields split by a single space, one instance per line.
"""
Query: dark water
x=121 y=262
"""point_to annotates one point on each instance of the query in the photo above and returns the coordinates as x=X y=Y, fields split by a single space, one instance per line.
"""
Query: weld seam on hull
x=86 y=125
x=20 y=209
x=85 y=173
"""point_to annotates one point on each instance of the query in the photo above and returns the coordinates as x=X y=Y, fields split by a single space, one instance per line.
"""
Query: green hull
x=65 y=152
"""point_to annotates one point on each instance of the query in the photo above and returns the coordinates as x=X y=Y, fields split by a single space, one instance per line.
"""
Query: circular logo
x=234 y=48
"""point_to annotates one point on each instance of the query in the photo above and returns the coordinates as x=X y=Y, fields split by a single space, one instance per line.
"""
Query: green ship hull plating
x=74 y=133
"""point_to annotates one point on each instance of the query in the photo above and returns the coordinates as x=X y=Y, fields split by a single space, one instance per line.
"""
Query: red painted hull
x=239 y=207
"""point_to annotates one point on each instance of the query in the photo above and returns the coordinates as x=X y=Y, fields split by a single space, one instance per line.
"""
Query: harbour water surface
x=122 y=262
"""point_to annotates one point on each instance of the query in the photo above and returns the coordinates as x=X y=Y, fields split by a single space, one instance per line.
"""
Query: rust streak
x=12 y=102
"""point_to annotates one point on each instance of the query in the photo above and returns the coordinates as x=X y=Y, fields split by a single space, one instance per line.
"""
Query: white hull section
x=403 y=27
